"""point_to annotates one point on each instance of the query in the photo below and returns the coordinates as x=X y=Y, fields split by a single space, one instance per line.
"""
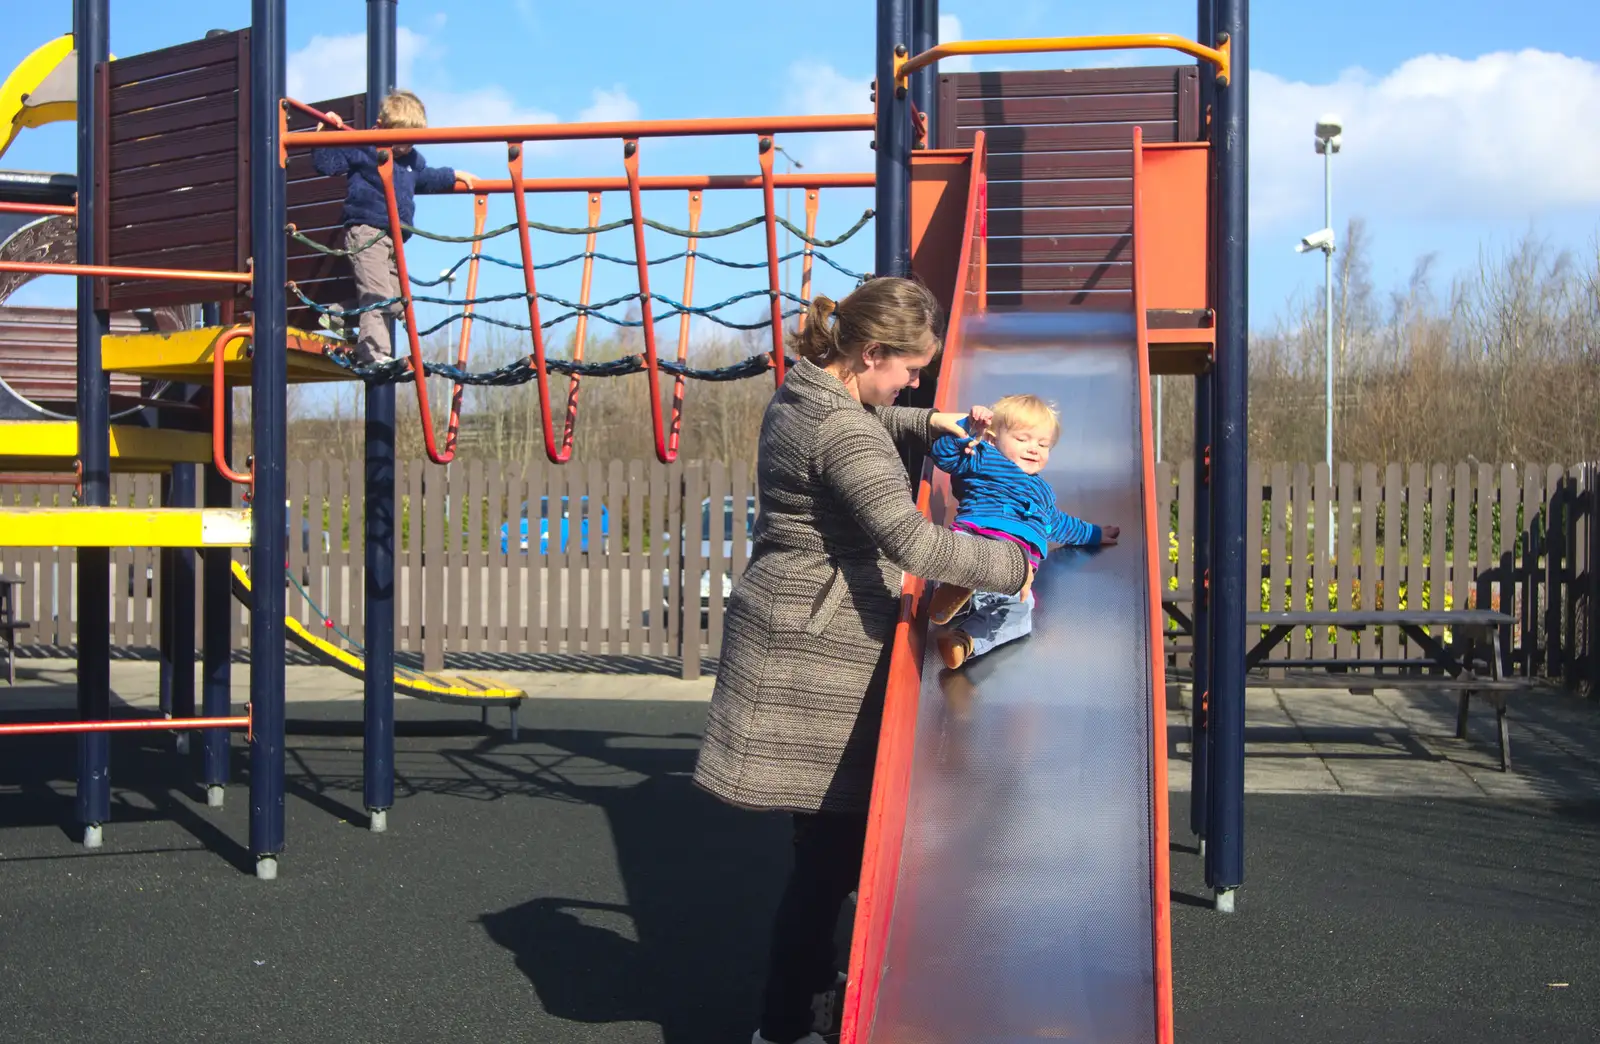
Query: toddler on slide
x=994 y=473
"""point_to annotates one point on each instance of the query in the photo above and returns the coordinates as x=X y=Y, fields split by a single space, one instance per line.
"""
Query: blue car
x=544 y=527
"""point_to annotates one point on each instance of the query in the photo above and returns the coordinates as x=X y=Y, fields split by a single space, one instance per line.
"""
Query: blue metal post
x=216 y=638
x=269 y=378
x=925 y=84
x=1199 y=735
x=91 y=35
x=1230 y=571
x=893 y=143
x=378 y=701
x=177 y=608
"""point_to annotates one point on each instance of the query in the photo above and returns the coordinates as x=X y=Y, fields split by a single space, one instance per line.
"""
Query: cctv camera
x=1319 y=240
x=1329 y=126
x=1325 y=145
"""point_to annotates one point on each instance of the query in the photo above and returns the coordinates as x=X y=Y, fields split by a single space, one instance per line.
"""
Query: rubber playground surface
x=575 y=887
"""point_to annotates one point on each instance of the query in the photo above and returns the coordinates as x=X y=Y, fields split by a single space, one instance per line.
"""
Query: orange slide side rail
x=1161 y=897
x=891 y=782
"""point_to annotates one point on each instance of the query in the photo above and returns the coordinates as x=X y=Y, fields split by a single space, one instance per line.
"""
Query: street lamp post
x=1329 y=131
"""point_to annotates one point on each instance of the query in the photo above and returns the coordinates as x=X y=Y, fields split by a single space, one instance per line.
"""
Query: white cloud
x=950 y=32
x=613 y=106
x=334 y=66
x=1504 y=135
x=818 y=89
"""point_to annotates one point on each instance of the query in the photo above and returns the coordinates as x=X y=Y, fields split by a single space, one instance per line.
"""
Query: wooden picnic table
x=9 y=624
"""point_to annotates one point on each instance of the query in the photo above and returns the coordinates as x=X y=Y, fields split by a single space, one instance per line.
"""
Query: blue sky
x=1468 y=123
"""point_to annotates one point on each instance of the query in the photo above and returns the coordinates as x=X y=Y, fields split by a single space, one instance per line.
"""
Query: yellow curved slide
x=441 y=688
x=19 y=105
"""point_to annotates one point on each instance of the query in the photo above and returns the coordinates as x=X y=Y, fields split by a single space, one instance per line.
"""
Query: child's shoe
x=954 y=648
x=947 y=602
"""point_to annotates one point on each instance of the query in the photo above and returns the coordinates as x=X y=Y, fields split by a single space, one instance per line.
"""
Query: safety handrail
x=1220 y=56
x=327 y=119
x=219 y=409
x=419 y=374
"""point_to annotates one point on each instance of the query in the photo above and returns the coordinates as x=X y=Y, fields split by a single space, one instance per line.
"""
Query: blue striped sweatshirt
x=996 y=494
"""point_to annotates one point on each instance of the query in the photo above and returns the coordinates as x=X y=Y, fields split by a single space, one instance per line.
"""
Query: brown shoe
x=954 y=648
x=947 y=602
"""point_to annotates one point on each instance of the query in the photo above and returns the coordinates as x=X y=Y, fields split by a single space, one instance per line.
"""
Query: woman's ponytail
x=818 y=339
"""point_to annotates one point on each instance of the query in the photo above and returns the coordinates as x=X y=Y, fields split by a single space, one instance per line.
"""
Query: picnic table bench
x=9 y=624
x=1472 y=663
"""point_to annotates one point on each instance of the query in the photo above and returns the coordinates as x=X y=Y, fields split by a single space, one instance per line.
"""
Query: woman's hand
x=978 y=420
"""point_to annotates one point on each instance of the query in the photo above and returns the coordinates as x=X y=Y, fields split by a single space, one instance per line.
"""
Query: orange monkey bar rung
x=388 y=136
x=679 y=182
x=45 y=728
x=119 y=272
x=38 y=208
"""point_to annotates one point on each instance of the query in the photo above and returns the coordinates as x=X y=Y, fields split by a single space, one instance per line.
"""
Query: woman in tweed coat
x=794 y=717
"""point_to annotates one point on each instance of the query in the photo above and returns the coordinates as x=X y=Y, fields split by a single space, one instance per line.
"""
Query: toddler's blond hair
x=402 y=109
x=1026 y=411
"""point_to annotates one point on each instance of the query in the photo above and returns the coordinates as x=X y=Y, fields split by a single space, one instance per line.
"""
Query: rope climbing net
x=653 y=307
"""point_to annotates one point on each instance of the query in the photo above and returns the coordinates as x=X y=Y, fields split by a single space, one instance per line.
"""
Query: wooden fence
x=644 y=547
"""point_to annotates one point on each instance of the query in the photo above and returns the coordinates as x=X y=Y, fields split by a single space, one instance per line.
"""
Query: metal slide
x=1031 y=897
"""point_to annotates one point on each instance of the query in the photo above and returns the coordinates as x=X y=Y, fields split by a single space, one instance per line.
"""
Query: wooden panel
x=1344 y=575
x=1066 y=250
x=1322 y=566
x=1461 y=539
x=1105 y=301
x=191 y=173
x=206 y=81
x=1279 y=549
x=644 y=608
x=1393 y=567
x=1416 y=540
x=691 y=636
x=1049 y=166
x=1300 y=577
x=1438 y=528
x=1185 y=479
x=1105 y=108
x=572 y=572
x=194 y=232
x=714 y=564
x=1062 y=138
x=316 y=190
x=1066 y=278
x=474 y=629
x=1252 y=538
x=295 y=494
x=177 y=59
x=1055 y=221
x=1045 y=83
x=184 y=117
x=1083 y=192
x=1486 y=559
x=617 y=510
x=168 y=208
x=219 y=137
x=1371 y=577
x=495 y=563
x=518 y=600
x=594 y=559
x=655 y=590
